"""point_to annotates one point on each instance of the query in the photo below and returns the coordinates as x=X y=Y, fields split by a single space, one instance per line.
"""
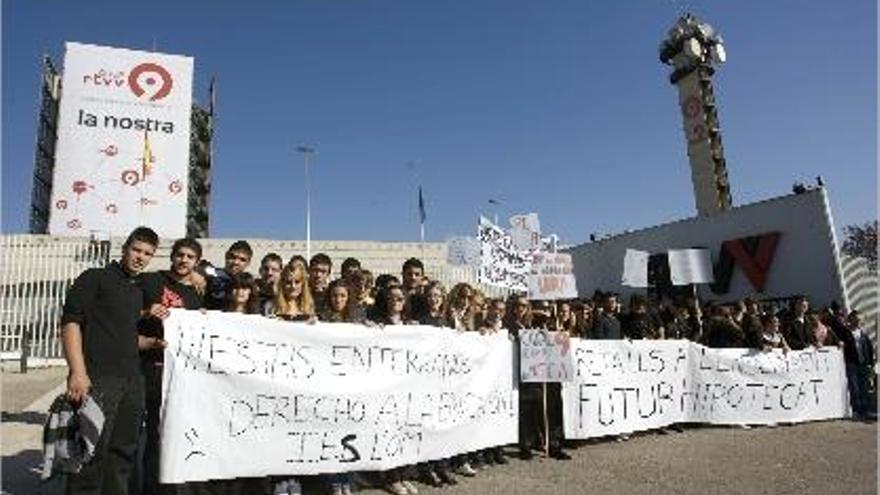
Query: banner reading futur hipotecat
x=251 y=396
x=621 y=386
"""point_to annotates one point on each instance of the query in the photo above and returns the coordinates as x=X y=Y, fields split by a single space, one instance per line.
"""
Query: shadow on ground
x=21 y=475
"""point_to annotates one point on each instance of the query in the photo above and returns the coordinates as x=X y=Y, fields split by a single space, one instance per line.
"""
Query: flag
x=422 y=215
x=148 y=158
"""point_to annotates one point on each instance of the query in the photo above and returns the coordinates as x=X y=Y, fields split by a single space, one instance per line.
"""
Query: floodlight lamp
x=692 y=49
x=718 y=54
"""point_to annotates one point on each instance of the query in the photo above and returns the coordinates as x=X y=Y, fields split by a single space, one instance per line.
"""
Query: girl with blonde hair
x=293 y=299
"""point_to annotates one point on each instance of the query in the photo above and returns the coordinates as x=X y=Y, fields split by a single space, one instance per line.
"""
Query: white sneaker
x=410 y=488
x=396 y=488
x=466 y=470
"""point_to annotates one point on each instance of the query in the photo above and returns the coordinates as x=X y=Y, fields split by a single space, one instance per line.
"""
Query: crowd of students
x=304 y=290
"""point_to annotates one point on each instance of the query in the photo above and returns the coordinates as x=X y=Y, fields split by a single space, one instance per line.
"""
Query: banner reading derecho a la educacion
x=250 y=396
x=621 y=386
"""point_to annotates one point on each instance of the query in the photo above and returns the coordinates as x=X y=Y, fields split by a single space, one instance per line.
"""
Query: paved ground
x=814 y=458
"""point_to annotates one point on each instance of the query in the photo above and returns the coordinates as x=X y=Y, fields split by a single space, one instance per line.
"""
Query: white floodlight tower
x=693 y=48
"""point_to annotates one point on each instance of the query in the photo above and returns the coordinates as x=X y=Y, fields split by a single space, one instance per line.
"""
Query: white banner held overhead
x=635 y=268
x=247 y=396
x=621 y=387
x=544 y=356
x=552 y=277
x=501 y=265
x=122 y=157
x=690 y=266
x=525 y=231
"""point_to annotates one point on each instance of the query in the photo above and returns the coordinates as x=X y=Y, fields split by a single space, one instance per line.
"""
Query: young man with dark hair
x=237 y=259
x=320 y=268
x=795 y=330
x=413 y=276
x=270 y=272
x=607 y=324
x=349 y=267
x=162 y=290
x=100 y=340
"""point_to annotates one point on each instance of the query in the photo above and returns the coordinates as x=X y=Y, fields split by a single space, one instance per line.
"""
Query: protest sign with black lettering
x=249 y=396
x=552 y=277
x=621 y=386
x=544 y=357
x=501 y=264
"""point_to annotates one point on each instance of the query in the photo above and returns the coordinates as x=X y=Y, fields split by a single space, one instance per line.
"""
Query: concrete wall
x=806 y=258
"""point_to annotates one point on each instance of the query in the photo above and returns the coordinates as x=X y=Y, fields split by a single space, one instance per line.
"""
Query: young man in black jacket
x=100 y=340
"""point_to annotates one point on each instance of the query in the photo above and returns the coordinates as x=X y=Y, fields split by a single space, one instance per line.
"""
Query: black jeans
x=153 y=399
x=531 y=421
x=122 y=402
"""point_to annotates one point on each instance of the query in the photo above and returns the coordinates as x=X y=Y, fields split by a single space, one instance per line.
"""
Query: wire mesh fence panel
x=35 y=272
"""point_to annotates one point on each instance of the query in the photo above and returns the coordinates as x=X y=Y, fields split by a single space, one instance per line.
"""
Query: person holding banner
x=340 y=307
x=493 y=323
x=519 y=317
x=722 y=331
x=293 y=299
x=459 y=313
x=389 y=310
x=771 y=336
x=795 y=328
x=162 y=290
x=460 y=316
x=244 y=295
x=435 y=473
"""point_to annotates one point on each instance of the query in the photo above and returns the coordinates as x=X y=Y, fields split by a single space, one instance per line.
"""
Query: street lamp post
x=307 y=153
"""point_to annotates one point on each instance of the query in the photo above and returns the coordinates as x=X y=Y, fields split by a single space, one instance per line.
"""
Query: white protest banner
x=525 y=232
x=248 y=396
x=621 y=387
x=635 y=268
x=122 y=157
x=552 y=277
x=501 y=264
x=544 y=356
x=690 y=266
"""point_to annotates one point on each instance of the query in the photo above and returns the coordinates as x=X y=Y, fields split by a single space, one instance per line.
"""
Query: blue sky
x=559 y=107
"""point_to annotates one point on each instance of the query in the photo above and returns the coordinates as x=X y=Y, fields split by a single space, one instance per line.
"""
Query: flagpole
x=422 y=216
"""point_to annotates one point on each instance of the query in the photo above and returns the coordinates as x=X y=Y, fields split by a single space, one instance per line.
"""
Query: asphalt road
x=812 y=458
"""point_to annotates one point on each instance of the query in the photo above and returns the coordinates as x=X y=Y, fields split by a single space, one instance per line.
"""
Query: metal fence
x=37 y=270
x=35 y=273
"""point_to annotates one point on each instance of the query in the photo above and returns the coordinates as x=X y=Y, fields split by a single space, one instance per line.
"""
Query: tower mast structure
x=692 y=48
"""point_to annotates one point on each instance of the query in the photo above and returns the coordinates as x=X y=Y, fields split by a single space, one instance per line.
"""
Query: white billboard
x=123 y=142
